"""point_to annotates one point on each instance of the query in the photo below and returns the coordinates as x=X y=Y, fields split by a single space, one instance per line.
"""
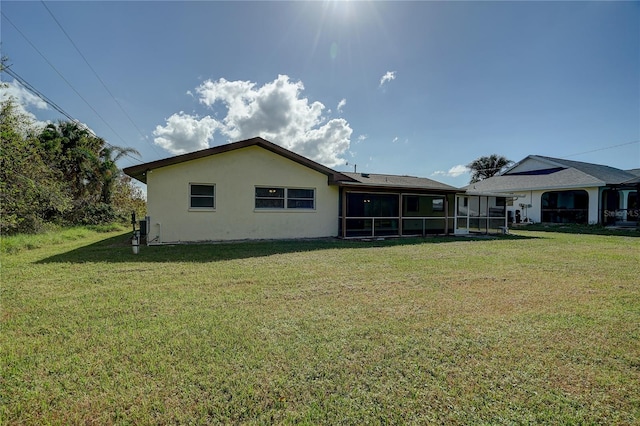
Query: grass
x=583 y=229
x=16 y=243
x=537 y=327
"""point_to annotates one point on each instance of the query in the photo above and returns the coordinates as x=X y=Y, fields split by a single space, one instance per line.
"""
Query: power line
x=33 y=90
x=571 y=155
x=98 y=77
x=37 y=93
x=55 y=106
x=602 y=149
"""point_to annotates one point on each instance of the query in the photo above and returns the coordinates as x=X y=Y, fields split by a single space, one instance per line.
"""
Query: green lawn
x=537 y=327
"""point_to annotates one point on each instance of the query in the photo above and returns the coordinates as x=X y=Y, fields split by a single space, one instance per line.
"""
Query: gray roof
x=396 y=181
x=636 y=179
x=560 y=174
x=606 y=174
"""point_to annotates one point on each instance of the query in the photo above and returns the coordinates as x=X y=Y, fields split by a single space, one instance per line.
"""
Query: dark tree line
x=62 y=174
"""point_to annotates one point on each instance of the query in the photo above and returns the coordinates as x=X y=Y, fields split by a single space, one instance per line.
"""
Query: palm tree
x=68 y=147
x=105 y=169
x=486 y=167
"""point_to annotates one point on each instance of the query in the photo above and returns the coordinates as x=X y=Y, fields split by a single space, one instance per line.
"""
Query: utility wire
x=98 y=77
x=580 y=153
x=33 y=90
x=63 y=78
x=602 y=149
x=55 y=106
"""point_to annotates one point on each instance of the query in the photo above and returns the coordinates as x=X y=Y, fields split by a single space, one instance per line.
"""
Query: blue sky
x=417 y=88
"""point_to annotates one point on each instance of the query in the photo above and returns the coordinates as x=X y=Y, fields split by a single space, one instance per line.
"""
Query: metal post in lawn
x=135 y=239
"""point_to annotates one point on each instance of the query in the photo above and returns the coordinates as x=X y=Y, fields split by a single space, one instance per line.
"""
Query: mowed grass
x=537 y=327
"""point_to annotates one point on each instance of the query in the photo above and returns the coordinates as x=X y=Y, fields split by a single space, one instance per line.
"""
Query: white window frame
x=191 y=196
x=285 y=199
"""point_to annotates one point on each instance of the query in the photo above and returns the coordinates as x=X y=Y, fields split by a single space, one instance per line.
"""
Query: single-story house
x=255 y=189
x=554 y=190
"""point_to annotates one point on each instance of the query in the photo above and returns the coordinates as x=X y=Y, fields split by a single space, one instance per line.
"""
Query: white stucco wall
x=594 y=202
x=529 y=165
x=534 y=198
x=235 y=175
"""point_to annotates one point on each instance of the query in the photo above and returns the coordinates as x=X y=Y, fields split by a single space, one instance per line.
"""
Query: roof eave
x=492 y=194
x=140 y=171
x=550 y=187
x=356 y=184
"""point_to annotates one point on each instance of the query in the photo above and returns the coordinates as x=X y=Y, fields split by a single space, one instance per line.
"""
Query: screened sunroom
x=381 y=214
x=387 y=205
x=481 y=213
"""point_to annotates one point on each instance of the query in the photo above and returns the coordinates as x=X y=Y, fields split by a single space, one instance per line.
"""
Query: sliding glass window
x=284 y=198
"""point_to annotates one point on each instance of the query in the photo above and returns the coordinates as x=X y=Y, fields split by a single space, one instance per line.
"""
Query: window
x=281 y=198
x=270 y=198
x=423 y=205
x=565 y=206
x=413 y=204
x=202 y=196
x=300 y=198
x=372 y=205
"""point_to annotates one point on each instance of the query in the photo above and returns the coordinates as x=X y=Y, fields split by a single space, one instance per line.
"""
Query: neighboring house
x=254 y=189
x=554 y=190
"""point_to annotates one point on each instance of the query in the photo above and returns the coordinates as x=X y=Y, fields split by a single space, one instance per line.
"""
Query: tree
x=61 y=174
x=88 y=166
x=127 y=197
x=108 y=171
x=486 y=167
x=68 y=147
x=104 y=177
x=85 y=162
x=31 y=192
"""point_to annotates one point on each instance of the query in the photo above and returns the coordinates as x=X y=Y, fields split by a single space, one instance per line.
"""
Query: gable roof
x=559 y=174
x=139 y=172
x=606 y=174
x=395 y=181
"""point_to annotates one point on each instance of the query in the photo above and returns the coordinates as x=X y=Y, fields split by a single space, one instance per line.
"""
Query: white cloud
x=341 y=105
x=394 y=140
x=22 y=95
x=454 y=171
x=361 y=138
x=390 y=75
x=185 y=133
x=277 y=112
x=23 y=100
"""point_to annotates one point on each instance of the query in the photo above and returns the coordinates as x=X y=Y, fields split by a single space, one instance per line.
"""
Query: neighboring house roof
x=636 y=173
x=395 y=181
x=139 y=172
x=560 y=173
x=607 y=174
